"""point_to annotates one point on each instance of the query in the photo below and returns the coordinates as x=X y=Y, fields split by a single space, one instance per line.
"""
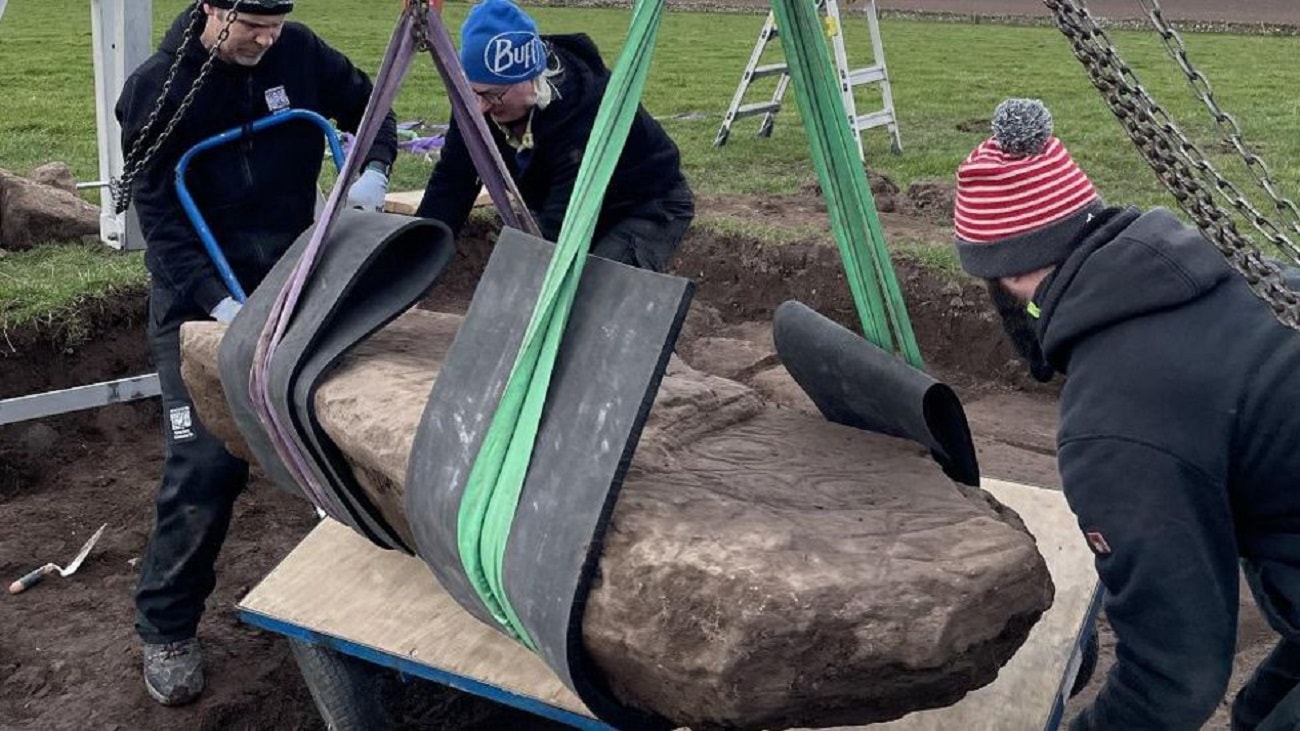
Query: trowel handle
x=32 y=579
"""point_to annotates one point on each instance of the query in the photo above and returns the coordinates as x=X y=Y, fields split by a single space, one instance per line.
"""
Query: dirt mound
x=108 y=327
x=959 y=336
x=929 y=200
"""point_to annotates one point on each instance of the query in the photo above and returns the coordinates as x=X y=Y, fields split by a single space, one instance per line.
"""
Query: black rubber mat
x=617 y=342
x=857 y=384
x=374 y=267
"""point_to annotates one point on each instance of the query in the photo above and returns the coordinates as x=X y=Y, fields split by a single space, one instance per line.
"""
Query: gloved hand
x=226 y=310
x=369 y=191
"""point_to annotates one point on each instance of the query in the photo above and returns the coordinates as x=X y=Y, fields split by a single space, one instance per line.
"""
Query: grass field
x=947 y=79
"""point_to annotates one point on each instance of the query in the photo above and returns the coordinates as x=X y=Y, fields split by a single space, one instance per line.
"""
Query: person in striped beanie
x=1179 y=437
x=1022 y=204
x=1021 y=199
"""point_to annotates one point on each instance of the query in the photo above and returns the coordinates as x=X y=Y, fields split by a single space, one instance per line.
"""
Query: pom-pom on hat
x=1021 y=200
x=499 y=45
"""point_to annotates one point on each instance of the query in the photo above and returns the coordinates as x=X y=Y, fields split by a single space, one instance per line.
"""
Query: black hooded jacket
x=258 y=193
x=1179 y=451
x=647 y=182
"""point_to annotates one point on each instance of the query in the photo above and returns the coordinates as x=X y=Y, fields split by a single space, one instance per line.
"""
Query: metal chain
x=1227 y=125
x=134 y=163
x=419 y=10
x=1175 y=160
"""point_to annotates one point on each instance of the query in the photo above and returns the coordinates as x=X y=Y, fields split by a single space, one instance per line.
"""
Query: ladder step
x=868 y=75
x=771 y=69
x=875 y=119
x=749 y=110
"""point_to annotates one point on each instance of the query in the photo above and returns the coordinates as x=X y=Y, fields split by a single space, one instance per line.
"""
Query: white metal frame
x=122 y=35
x=52 y=403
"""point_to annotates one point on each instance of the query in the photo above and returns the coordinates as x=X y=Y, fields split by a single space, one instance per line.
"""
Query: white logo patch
x=513 y=54
x=182 y=423
x=277 y=99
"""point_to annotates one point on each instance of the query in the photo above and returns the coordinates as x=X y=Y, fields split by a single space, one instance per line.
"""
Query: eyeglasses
x=493 y=97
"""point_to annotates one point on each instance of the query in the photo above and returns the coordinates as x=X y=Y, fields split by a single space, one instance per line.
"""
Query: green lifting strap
x=491 y=495
x=852 y=208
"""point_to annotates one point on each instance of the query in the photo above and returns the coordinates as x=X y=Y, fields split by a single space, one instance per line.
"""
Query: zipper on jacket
x=246 y=149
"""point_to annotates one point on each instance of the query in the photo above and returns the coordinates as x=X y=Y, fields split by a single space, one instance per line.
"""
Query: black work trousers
x=200 y=482
x=650 y=242
x=1270 y=700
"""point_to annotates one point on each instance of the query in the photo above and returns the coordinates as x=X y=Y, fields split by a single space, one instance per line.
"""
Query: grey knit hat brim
x=1027 y=252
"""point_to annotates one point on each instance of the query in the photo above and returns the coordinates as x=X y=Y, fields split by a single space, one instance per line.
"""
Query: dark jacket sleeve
x=564 y=166
x=1171 y=580
x=564 y=175
x=346 y=91
x=174 y=254
x=453 y=185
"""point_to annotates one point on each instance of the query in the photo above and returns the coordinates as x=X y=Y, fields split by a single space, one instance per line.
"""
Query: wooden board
x=406 y=201
x=338 y=589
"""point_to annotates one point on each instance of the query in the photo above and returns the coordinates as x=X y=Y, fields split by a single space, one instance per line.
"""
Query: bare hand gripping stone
x=763 y=568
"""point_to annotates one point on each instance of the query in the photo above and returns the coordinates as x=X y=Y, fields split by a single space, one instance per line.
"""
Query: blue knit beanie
x=499 y=45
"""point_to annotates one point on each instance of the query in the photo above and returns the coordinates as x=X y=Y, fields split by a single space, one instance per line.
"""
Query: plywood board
x=406 y=201
x=337 y=584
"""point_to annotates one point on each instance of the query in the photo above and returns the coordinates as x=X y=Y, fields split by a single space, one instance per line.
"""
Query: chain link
x=419 y=10
x=1231 y=132
x=135 y=162
x=1177 y=162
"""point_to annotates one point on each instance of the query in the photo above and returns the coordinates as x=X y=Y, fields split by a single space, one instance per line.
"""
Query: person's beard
x=1019 y=327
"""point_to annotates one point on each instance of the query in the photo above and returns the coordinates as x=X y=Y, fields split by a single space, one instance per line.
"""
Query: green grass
x=54 y=288
x=947 y=79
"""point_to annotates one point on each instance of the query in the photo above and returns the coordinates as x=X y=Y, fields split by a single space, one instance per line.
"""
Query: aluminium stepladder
x=849 y=79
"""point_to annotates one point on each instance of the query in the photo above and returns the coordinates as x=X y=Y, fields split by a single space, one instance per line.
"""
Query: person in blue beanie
x=540 y=94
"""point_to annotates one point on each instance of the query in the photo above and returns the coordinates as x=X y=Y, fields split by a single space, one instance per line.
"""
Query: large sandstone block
x=763 y=568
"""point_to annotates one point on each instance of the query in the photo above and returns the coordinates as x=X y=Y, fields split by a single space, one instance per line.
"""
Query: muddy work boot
x=173 y=672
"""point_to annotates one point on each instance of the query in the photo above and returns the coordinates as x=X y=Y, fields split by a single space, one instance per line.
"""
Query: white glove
x=369 y=191
x=226 y=310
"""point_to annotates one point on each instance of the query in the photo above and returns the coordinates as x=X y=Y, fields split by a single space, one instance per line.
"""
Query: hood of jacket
x=1132 y=265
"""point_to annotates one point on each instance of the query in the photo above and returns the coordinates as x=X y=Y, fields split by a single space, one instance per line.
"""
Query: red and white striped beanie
x=1021 y=200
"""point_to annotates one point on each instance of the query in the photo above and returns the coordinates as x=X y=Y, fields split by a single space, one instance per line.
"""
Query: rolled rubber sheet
x=856 y=383
x=374 y=267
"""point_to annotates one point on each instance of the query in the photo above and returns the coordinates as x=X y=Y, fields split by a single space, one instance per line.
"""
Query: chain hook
x=120 y=189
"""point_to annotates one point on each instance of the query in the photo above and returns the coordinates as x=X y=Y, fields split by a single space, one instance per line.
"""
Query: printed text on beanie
x=514 y=54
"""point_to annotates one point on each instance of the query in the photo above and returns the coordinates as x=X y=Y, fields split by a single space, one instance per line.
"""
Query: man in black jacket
x=541 y=95
x=258 y=195
x=1179 y=441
